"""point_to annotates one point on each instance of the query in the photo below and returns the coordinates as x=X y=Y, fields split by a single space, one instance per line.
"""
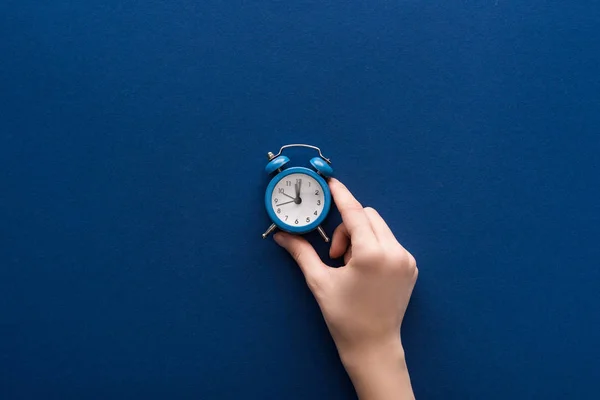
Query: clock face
x=298 y=200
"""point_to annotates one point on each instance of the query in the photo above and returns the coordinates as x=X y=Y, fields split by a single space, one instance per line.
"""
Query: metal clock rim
x=326 y=200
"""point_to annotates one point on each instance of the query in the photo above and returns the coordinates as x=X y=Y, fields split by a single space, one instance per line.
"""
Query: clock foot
x=323 y=234
x=268 y=232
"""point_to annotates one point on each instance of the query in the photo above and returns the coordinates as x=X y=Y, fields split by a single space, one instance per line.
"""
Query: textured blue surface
x=289 y=227
x=132 y=142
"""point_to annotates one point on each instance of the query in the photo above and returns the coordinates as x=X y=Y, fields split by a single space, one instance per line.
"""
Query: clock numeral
x=296 y=222
x=279 y=211
x=318 y=202
x=280 y=190
x=316 y=192
x=307 y=219
x=276 y=200
x=315 y=213
x=308 y=183
x=286 y=217
x=288 y=183
x=298 y=180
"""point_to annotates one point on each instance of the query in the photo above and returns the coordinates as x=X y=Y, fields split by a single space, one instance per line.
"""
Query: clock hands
x=288 y=202
x=297 y=186
x=296 y=199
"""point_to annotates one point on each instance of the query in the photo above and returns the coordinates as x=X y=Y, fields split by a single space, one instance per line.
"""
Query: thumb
x=305 y=255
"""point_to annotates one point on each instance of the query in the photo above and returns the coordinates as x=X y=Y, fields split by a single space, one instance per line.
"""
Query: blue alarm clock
x=298 y=198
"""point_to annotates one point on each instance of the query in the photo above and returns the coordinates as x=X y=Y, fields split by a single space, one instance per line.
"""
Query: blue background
x=133 y=137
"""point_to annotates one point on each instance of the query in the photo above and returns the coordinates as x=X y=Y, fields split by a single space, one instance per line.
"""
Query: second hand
x=283 y=204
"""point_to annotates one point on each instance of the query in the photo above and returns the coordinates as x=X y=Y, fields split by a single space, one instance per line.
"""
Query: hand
x=363 y=302
x=287 y=195
x=287 y=202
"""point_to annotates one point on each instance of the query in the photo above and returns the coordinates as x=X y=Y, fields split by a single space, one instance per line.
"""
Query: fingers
x=305 y=255
x=354 y=217
x=380 y=228
x=340 y=241
x=348 y=255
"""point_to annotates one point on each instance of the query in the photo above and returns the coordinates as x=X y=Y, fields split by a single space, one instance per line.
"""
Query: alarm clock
x=298 y=198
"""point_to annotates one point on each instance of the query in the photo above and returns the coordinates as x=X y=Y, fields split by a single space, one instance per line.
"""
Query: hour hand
x=285 y=194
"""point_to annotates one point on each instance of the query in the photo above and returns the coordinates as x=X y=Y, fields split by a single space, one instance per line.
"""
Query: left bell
x=276 y=163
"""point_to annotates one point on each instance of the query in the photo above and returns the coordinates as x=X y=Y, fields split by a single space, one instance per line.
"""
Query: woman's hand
x=363 y=302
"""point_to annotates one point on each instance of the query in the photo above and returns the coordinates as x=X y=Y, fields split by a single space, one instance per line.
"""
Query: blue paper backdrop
x=133 y=137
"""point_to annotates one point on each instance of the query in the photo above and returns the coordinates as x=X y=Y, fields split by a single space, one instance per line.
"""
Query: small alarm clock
x=298 y=198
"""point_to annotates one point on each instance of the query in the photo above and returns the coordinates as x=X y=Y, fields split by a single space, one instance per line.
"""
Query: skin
x=363 y=302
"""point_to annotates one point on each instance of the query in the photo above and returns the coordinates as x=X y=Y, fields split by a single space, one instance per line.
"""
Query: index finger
x=353 y=214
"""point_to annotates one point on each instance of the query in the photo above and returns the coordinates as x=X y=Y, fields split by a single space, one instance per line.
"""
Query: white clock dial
x=297 y=199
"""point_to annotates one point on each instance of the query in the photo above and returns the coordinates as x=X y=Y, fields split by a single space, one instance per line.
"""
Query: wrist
x=379 y=371
x=368 y=356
